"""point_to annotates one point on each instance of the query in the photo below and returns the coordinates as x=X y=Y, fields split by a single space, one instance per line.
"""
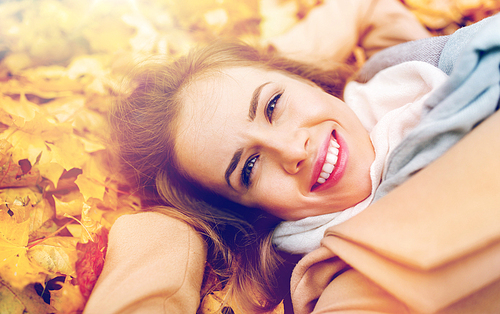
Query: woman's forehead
x=222 y=91
x=213 y=120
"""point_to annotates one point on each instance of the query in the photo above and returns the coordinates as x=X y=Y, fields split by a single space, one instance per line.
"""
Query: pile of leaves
x=61 y=64
x=59 y=193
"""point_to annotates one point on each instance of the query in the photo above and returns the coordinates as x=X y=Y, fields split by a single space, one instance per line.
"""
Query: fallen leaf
x=68 y=299
x=90 y=188
x=21 y=108
x=70 y=204
x=90 y=262
x=91 y=225
x=40 y=214
x=56 y=255
x=51 y=171
x=22 y=301
x=15 y=267
x=13 y=175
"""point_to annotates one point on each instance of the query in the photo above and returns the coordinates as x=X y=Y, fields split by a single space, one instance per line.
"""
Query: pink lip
x=339 y=170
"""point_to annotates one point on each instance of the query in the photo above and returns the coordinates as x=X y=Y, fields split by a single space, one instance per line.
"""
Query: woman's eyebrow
x=252 y=112
x=254 y=103
x=232 y=165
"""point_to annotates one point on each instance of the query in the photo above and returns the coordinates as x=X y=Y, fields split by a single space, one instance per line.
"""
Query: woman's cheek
x=277 y=193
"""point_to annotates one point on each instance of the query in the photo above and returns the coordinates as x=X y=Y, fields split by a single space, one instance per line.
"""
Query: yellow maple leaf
x=39 y=215
x=15 y=267
x=22 y=108
x=20 y=201
x=68 y=151
x=90 y=188
x=30 y=141
x=92 y=181
x=51 y=171
x=56 y=255
x=28 y=146
x=69 y=204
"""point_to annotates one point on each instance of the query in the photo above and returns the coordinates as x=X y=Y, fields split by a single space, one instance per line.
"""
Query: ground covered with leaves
x=61 y=64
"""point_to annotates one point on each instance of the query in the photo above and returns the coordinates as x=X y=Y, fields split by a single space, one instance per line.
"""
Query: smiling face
x=270 y=140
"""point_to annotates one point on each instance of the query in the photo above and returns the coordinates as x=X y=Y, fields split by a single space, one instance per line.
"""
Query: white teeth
x=331 y=158
x=333 y=150
x=330 y=162
x=328 y=168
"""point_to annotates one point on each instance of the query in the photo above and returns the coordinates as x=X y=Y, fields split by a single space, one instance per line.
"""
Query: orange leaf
x=90 y=262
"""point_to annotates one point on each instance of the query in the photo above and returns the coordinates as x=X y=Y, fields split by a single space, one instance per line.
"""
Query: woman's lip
x=340 y=166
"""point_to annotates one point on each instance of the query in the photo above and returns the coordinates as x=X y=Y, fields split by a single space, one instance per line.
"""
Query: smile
x=330 y=170
x=332 y=157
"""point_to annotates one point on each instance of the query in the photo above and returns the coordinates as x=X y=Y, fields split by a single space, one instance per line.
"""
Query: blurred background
x=61 y=64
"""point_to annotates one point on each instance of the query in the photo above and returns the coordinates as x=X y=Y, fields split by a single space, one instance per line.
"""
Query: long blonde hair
x=144 y=127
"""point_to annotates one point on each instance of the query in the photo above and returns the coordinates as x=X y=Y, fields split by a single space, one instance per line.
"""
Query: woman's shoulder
x=154 y=263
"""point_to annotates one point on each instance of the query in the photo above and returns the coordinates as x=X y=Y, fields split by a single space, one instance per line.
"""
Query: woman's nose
x=291 y=149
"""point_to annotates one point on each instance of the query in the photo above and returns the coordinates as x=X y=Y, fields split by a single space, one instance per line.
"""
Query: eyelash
x=247 y=170
x=271 y=105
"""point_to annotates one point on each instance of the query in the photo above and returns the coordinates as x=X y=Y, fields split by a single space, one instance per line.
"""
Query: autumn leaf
x=68 y=151
x=31 y=140
x=90 y=188
x=18 y=175
x=27 y=146
x=70 y=204
x=15 y=267
x=90 y=262
x=90 y=222
x=19 y=202
x=41 y=215
x=22 y=301
x=56 y=255
x=91 y=124
x=68 y=299
x=51 y=171
x=6 y=120
x=22 y=108
x=92 y=181
x=65 y=109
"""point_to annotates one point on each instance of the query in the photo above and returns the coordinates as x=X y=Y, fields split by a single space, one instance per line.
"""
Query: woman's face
x=269 y=140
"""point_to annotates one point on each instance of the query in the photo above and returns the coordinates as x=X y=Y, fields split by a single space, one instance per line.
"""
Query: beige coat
x=431 y=245
x=154 y=264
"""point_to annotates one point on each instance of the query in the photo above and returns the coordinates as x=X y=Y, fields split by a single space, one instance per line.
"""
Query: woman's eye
x=271 y=106
x=246 y=172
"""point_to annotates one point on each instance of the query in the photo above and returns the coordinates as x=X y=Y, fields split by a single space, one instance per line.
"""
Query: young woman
x=162 y=136
x=237 y=141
